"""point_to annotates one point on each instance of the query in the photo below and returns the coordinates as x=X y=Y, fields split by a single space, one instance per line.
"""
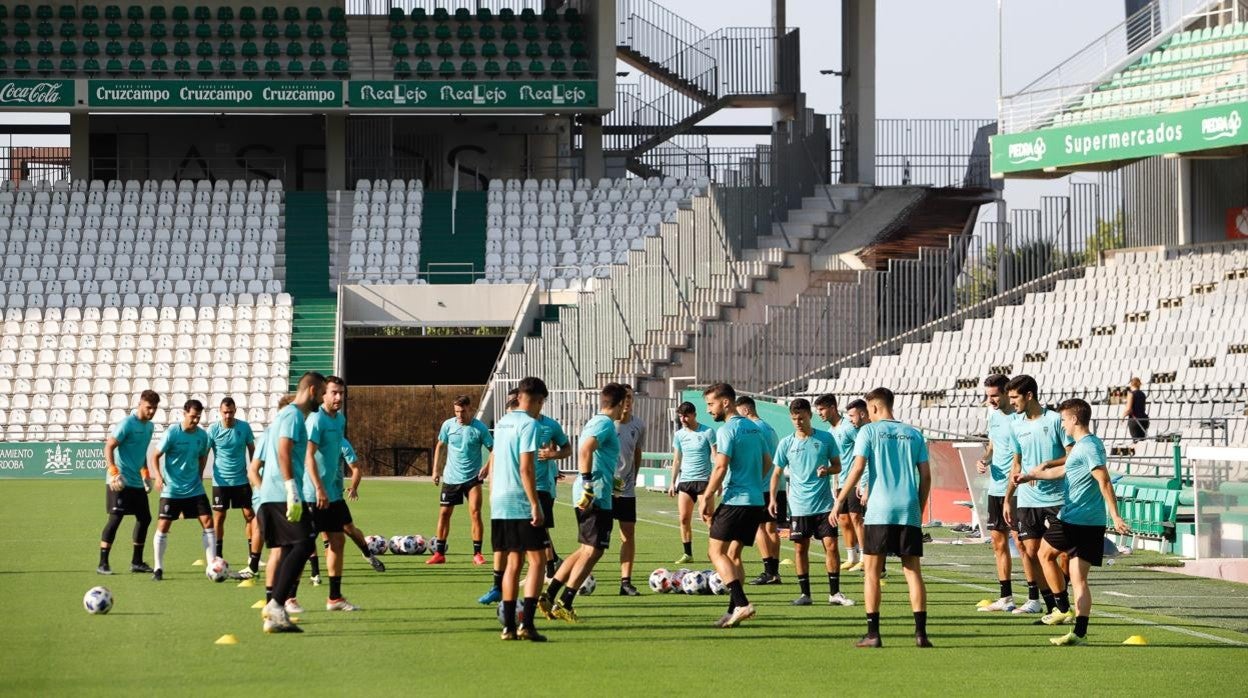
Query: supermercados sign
x=215 y=94
x=1121 y=139
x=52 y=460
x=36 y=94
x=470 y=95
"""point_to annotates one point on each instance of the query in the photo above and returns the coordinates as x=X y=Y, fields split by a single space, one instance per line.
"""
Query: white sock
x=160 y=543
x=210 y=545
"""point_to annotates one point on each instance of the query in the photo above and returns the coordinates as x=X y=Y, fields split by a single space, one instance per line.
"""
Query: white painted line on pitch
x=1119 y=593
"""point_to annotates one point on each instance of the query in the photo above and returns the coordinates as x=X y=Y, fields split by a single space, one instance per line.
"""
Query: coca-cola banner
x=215 y=94
x=36 y=94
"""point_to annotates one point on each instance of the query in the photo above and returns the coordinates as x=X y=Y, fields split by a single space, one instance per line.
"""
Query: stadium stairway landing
x=307 y=281
x=457 y=258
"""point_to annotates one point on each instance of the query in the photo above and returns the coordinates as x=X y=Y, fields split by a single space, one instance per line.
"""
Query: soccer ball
x=519 y=614
x=396 y=545
x=677 y=579
x=376 y=545
x=98 y=601
x=217 y=570
x=716 y=584
x=588 y=586
x=421 y=546
x=408 y=545
x=660 y=581
x=693 y=583
x=706 y=574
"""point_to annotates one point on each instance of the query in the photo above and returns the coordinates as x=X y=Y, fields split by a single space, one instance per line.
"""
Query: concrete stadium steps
x=307 y=280
x=442 y=252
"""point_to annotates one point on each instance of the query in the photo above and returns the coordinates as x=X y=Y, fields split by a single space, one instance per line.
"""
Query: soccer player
x=495 y=594
x=768 y=536
x=1037 y=441
x=1080 y=526
x=998 y=461
x=741 y=460
x=233 y=446
x=554 y=447
x=353 y=493
x=516 y=524
x=282 y=517
x=631 y=431
x=693 y=446
x=458 y=457
x=809 y=458
x=844 y=429
x=322 y=483
x=894 y=457
x=126 y=477
x=180 y=480
x=598 y=452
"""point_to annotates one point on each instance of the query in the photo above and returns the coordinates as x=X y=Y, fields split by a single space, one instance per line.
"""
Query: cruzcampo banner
x=215 y=94
x=468 y=95
x=52 y=460
x=36 y=94
x=1121 y=139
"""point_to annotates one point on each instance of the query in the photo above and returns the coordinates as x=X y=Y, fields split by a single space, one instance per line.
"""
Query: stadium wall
x=433 y=305
x=394 y=428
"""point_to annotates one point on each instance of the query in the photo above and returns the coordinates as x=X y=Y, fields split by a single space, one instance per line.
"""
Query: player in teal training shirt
x=181 y=482
x=233 y=446
x=768 y=538
x=844 y=430
x=894 y=457
x=998 y=462
x=458 y=468
x=1080 y=526
x=327 y=428
x=126 y=478
x=692 y=447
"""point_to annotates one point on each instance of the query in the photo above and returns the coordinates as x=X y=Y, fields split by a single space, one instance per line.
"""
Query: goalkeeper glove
x=294 y=507
x=116 y=484
x=617 y=486
x=587 y=495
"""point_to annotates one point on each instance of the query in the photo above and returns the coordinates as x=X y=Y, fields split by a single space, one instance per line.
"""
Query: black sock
x=1081 y=626
x=551 y=568
x=136 y=557
x=363 y=548
x=626 y=581
x=1062 y=599
x=732 y=604
x=552 y=591
x=920 y=622
x=498 y=580
x=1007 y=588
x=103 y=556
x=509 y=615
x=873 y=624
x=568 y=598
x=834 y=583
x=689 y=548
x=530 y=611
x=1049 y=602
x=439 y=546
x=737 y=593
x=268 y=594
x=476 y=547
x=316 y=566
x=771 y=565
x=335 y=587
x=253 y=562
x=1033 y=591
x=220 y=547
x=803 y=583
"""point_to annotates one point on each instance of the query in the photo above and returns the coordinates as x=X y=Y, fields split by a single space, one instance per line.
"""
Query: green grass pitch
x=422 y=632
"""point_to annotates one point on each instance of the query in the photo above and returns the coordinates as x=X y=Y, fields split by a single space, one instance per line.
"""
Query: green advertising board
x=1120 y=139
x=469 y=95
x=215 y=94
x=52 y=460
x=36 y=94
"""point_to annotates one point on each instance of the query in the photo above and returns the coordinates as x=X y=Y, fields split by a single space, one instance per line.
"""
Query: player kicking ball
x=180 y=481
x=693 y=446
x=1080 y=526
x=810 y=458
x=457 y=468
x=894 y=457
x=322 y=483
x=125 y=456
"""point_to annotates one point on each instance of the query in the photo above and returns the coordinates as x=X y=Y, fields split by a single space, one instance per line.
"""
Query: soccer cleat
x=530 y=634
x=760 y=579
x=378 y=565
x=270 y=609
x=683 y=559
x=292 y=606
x=158 y=575
x=1004 y=604
x=802 y=600
x=856 y=567
x=566 y=615
x=1032 y=606
x=493 y=596
x=920 y=640
x=340 y=605
x=739 y=614
x=544 y=605
x=1068 y=639
x=869 y=641
x=478 y=559
x=847 y=565
x=246 y=573
x=1056 y=617
x=316 y=580
x=927 y=538
x=279 y=622
x=103 y=569
x=839 y=599
x=508 y=635
x=140 y=568
x=723 y=619
x=436 y=559
x=627 y=589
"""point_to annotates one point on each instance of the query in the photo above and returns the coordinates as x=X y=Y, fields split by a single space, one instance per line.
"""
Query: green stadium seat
x=337 y=14
x=317 y=68
x=514 y=69
x=534 y=50
x=69 y=48
x=294 y=49
x=402 y=70
x=489 y=50
x=291 y=14
x=269 y=31
x=4 y=29
x=484 y=16
x=91 y=66
x=250 y=69
x=419 y=14
x=247 y=32
x=316 y=31
x=159 y=68
x=272 y=50
x=487 y=33
x=424 y=69
x=136 y=49
x=114 y=49
x=137 y=67
x=21 y=29
x=558 y=68
x=447 y=69
x=468 y=69
x=292 y=31
x=553 y=33
x=247 y=13
x=491 y=69
x=272 y=68
x=528 y=16
x=134 y=13
x=159 y=49
x=90 y=48
x=21 y=12
x=421 y=50
x=181 y=49
x=342 y=67
x=511 y=50
x=158 y=13
x=507 y=15
x=44 y=30
x=463 y=14
x=21 y=66
x=68 y=30
x=112 y=12
x=441 y=15
x=225 y=13
x=316 y=49
x=22 y=48
x=44 y=48
x=114 y=67
x=397 y=14
x=442 y=32
x=4 y=47
x=66 y=12
x=314 y=14
x=135 y=31
x=578 y=50
x=582 y=70
x=420 y=32
x=550 y=15
x=572 y=15
x=226 y=49
x=400 y=50
x=467 y=50
x=44 y=67
x=269 y=14
x=90 y=12
x=339 y=50
x=180 y=14
x=537 y=68
x=181 y=31
x=294 y=68
x=112 y=30
x=509 y=33
x=555 y=50
x=225 y=30
x=202 y=13
x=158 y=30
x=464 y=32
x=576 y=33
x=531 y=33
x=69 y=66
x=398 y=32
x=338 y=31
x=445 y=50
x=181 y=68
x=204 y=49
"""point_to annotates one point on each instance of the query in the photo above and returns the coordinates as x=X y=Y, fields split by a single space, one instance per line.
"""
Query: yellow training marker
x=226 y=639
x=983 y=604
x=1137 y=640
x=258 y=604
x=197 y=563
x=246 y=584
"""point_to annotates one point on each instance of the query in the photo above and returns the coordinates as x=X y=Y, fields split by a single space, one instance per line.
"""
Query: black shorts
x=692 y=488
x=852 y=505
x=595 y=527
x=278 y=531
x=453 y=495
x=231 y=497
x=813 y=526
x=331 y=519
x=996 y=514
x=737 y=523
x=892 y=539
x=782 y=509
x=624 y=509
x=1034 y=521
x=514 y=535
x=185 y=507
x=1084 y=542
x=130 y=501
x=547 y=500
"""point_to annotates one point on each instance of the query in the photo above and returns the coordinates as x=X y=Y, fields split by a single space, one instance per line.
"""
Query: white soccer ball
x=706 y=574
x=376 y=545
x=693 y=583
x=421 y=546
x=716 y=584
x=98 y=601
x=218 y=570
x=519 y=614
x=588 y=586
x=408 y=545
x=676 y=579
x=660 y=581
x=396 y=545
